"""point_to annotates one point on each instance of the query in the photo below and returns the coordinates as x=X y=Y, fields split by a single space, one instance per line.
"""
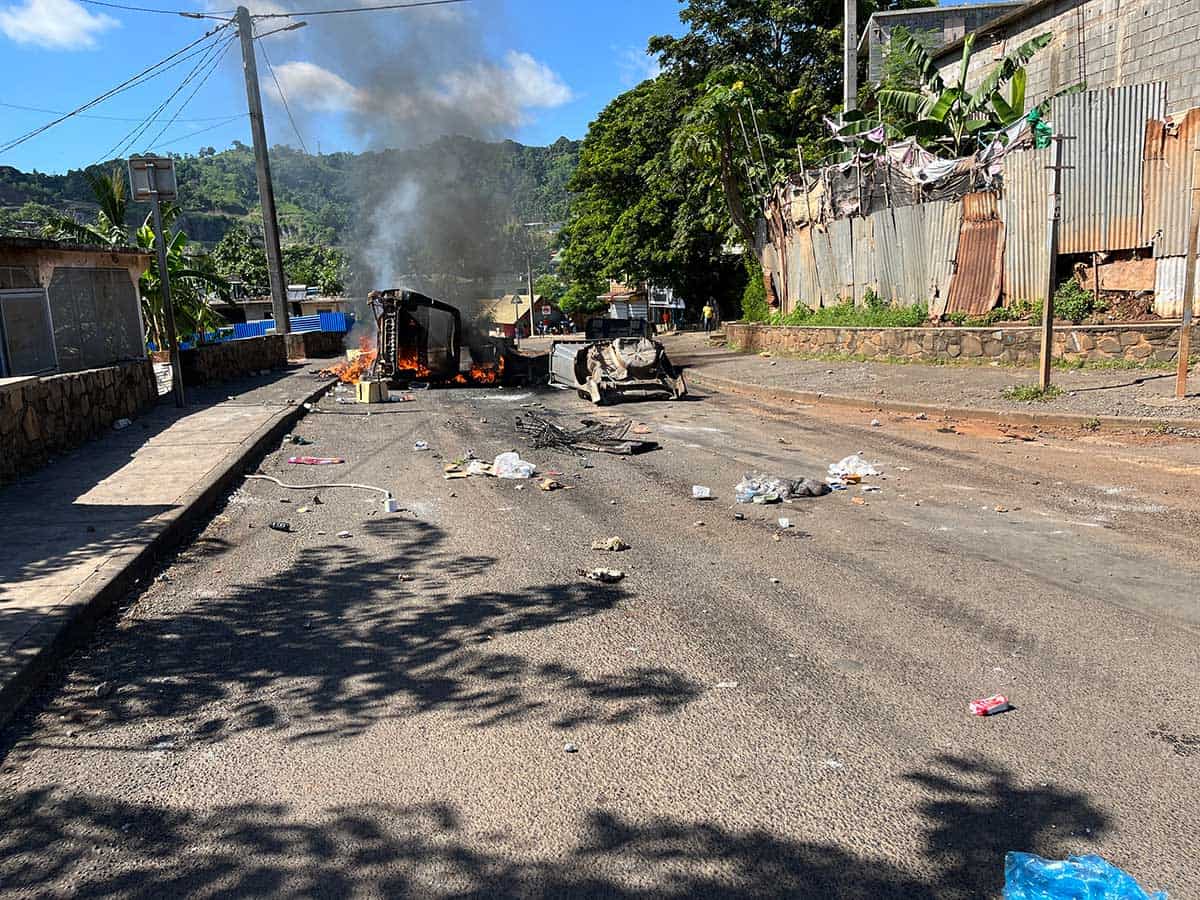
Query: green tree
x=238 y=258
x=550 y=287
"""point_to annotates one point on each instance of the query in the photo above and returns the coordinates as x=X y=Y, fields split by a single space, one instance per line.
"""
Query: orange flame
x=352 y=371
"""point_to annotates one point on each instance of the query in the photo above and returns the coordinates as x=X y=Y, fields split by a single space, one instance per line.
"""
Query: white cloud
x=635 y=66
x=534 y=84
x=313 y=87
x=56 y=24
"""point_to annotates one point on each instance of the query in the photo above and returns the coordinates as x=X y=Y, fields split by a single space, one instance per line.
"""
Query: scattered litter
x=302 y=509
x=852 y=465
x=759 y=488
x=419 y=386
x=315 y=460
x=401 y=398
x=549 y=484
x=726 y=684
x=697 y=524
x=949 y=429
x=875 y=423
x=406 y=577
x=871 y=488
x=309 y=487
x=922 y=416
x=833 y=764
x=785 y=523
x=297 y=440
x=858 y=501
x=641 y=429
x=104 y=689
x=774 y=581
x=601 y=437
x=739 y=516
x=989 y=706
x=1030 y=877
x=391 y=505
x=604 y=576
x=700 y=492
x=285 y=499
x=776 y=537
x=1001 y=509
x=510 y=465
x=343 y=534
x=570 y=748
x=317 y=501
x=612 y=545
x=120 y=424
x=420 y=445
x=280 y=526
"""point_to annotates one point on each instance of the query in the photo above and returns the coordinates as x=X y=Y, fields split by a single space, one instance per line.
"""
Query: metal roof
x=24 y=243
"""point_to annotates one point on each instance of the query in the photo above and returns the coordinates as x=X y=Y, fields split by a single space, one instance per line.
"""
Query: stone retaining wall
x=233 y=359
x=41 y=417
x=315 y=344
x=1017 y=345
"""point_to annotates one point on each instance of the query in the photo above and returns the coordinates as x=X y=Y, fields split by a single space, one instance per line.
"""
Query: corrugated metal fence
x=1126 y=188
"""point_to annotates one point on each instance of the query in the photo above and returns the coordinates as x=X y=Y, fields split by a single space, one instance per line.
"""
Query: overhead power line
x=163 y=65
x=191 y=134
x=59 y=112
x=282 y=96
x=357 y=9
x=191 y=14
x=216 y=62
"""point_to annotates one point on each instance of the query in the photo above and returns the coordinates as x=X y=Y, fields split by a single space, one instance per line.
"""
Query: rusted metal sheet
x=889 y=257
x=1102 y=184
x=1120 y=275
x=1024 y=210
x=841 y=252
x=979 y=263
x=1167 y=181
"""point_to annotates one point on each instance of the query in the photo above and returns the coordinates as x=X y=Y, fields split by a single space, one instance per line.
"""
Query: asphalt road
x=756 y=712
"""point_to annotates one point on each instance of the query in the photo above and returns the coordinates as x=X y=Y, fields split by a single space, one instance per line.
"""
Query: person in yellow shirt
x=707 y=313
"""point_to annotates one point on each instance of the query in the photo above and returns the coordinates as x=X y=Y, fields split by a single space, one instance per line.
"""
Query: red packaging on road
x=315 y=460
x=989 y=706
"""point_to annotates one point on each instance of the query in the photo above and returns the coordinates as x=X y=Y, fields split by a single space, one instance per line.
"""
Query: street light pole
x=850 y=61
x=529 y=267
x=266 y=191
x=164 y=284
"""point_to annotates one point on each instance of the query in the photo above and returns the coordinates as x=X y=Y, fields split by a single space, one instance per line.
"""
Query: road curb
x=48 y=643
x=787 y=396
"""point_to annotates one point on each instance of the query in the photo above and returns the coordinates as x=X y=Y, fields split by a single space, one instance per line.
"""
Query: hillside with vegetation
x=318 y=196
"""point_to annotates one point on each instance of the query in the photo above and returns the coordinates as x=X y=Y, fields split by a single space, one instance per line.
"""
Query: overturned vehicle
x=420 y=338
x=598 y=370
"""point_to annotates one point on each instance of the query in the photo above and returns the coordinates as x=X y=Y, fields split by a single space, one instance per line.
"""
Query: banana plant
x=950 y=120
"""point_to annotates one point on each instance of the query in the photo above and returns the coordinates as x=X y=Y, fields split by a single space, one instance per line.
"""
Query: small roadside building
x=303 y=300
x=66 y=307
x=512 y=312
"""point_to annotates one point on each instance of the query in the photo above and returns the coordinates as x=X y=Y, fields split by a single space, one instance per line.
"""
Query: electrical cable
x=134 y=134
x=191 y=134
x=212 y=68
x=165 y=12
x=355 y=9
x=59 y=112
x=144 y=75
x=282 y=97
x=308 y=487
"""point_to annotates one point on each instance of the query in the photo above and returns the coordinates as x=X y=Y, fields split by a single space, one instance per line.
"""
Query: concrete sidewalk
x=80 y=531
x=1134 y=396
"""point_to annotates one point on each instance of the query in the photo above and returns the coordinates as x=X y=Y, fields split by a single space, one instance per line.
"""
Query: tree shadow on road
x=335 y=642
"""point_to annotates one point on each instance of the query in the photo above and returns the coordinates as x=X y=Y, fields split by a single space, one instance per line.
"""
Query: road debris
x=593 y=436
x=852 y=465
x=921 y=417
x=641 y=428
x=344 y=534
x=510 y=465
x=698 y=524
x=875 y=423
x=871 y=488
x=281 y=526
x=570 y=748
x=701 y=492
x=858 y=501
x=420 y=446
x=785 y=523
x=316 y=460
x=1031 y=877
x=549 y=484
x=760 y=488
x=297 y=440
x=1001 y=509
x=726 y=684
x=121 y=424
x=612 y=545
x=604 y=576
x=104 y=689
x=597 y=369
x=989 y=706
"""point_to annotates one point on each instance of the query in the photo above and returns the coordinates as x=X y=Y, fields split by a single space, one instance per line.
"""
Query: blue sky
x=528 y=69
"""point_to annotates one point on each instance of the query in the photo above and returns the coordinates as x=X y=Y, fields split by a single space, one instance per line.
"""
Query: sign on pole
x=150 y=174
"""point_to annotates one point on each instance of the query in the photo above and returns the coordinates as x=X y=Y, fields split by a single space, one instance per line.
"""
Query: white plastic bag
x=852 y=465
x=510 y=465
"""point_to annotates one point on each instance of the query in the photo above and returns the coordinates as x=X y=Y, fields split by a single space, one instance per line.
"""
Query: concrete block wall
x=1105 y=43
x=1147 y=343
x=42 y=417
x=315 y=345
x=233 y=359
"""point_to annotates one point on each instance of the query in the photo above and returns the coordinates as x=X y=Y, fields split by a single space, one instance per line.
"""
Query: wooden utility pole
x=850 y=63
x=1189 y=279
x=266 y=192
x=1053 y=213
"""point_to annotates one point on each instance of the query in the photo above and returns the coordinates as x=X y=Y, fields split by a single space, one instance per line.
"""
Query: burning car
x=599 y=369
x=418 y=338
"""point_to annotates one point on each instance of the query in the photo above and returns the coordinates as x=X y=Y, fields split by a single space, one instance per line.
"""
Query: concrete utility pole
x=1052 y=252
x=164 y=281
x=850 y=69
x=1189 y=280
x=266 y=192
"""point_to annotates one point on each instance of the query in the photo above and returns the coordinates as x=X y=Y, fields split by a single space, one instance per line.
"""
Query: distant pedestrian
x=707 y=312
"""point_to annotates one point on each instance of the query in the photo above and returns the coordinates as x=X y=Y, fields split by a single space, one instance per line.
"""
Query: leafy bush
x=877 y=313
x=754 y=297
x=1073 y=303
